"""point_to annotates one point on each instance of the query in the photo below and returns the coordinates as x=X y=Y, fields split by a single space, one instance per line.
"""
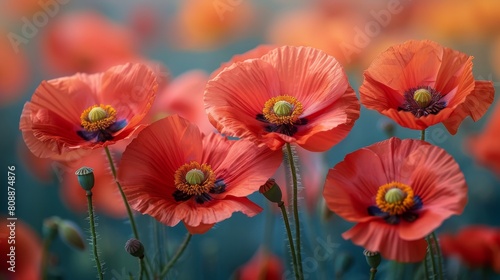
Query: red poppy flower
x=263 y=265
x=397 y=191
x=28 y=251
x=476 y=246
x=290 y=95
x=86 y=41
x=420 y=83
x=174 y=173
x=71 y=114
x=485 y=147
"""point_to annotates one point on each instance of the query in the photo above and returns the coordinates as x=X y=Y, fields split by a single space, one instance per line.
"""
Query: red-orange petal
x=475 y=105
x=149 y=163
x=381 y=237
x=50 y=121
x=237 y=95
x=424 y=63
x=433 y=175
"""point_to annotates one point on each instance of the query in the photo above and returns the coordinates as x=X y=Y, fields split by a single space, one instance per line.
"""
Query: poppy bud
x=372 y=258
x=85 y=177
x=271 y=191
x=135 y=248
x=71 y=234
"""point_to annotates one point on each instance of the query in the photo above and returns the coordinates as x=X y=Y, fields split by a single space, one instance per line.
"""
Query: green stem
x=124 y=198
x=142 y=269
x=426 y=268
x=295 y=206
x=430 y=251
x=438 y=254
x=47 y=241
x=268 y=228
x=433 y=244
x=177 y=255
x=125 y=201
x=94 y=235
x=290 y=239
x=373 y=271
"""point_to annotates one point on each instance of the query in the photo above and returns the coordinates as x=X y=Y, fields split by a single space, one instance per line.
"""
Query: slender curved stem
x=438 y=254
x=290 y=239
x=47 y=241
x=433 y=244
x=426 y=268
x=125 y=201
x=293 y=171
x=373 y=271
x=177 y=255
x=430 y=251
x=94 y=235
x=268 y=228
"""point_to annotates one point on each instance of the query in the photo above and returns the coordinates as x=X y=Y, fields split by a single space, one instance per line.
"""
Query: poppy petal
x=381 y=237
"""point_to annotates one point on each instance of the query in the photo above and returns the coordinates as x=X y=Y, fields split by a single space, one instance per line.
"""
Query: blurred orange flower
x=397 y=191
x=312 y=27
x=14 y=71
x=28 y=251
x=420 y=83
x=68 y=115
x=174 y=173
x=290 y=95
x=264 y=265
x=485 y=147
x=86 y=41
x=476 y=246
x=479 y=19
x=205 y=25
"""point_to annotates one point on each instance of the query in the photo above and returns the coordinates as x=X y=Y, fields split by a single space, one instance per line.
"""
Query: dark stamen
x=102 y=135
x=410 y=215
x=411 y=105
x=287 y=129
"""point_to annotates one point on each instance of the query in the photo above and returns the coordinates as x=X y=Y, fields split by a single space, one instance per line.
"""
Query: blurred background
x=184 y=41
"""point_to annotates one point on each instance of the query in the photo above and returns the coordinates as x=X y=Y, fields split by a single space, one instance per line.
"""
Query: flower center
x=194 y=178
x=422 y=101
x=282 y=109
x=423 y=97
x=98 y=117
x=395 y=198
